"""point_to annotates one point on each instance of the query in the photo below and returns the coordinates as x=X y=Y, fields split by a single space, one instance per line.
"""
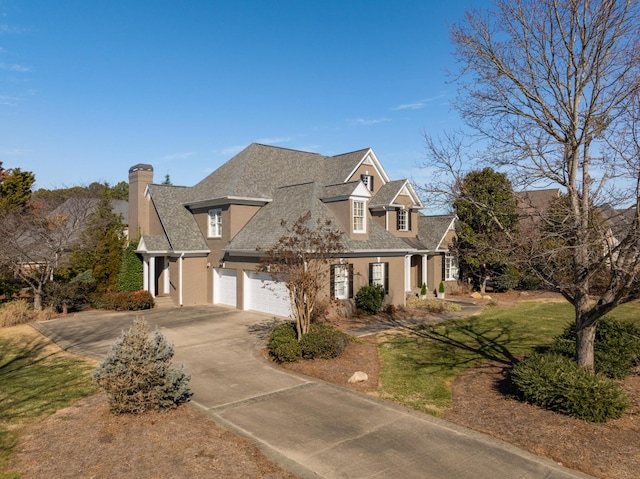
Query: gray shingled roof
x=341 y=190
x=290 y=203
x=431 y=229
x=178 y=223
x=387 y=193
x=155 y=243
x=258 y=170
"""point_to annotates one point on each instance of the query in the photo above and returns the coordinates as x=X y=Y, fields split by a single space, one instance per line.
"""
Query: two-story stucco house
x=201 y=244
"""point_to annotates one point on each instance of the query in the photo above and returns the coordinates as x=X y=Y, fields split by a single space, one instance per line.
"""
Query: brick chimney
x=140 y=176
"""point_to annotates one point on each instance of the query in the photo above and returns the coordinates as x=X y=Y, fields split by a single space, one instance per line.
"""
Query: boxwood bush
x=369 y=298
x=616 y=346
x=283 y=343
x=322 y=341
x=556 y=382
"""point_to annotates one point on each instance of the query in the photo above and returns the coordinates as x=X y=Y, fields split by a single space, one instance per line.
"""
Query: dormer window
x=403 y=220
x=215 y=223
x=359 y=223
x=368 y=181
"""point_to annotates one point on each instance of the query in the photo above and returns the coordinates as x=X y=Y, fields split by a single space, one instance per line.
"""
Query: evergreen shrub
x=616 y=346
x=283 y=343
x=556 y=382
x=323 y=341
x=369 y=298
x=131 y=270
x=137 y=375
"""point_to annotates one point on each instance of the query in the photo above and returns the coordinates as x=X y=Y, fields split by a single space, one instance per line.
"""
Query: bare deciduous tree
x=554 y=85
x=300 y=259
x=33 y=244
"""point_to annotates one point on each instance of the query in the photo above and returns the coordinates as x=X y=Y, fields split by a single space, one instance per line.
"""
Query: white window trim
x=403 y=220
x=363 y=216
x=341 y=276
x=451 y=268
x=380 y=280
x=214 y=229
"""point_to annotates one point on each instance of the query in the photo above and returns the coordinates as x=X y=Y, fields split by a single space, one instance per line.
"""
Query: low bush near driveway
x=322 y=341
x=123 y=300
x=556 y=382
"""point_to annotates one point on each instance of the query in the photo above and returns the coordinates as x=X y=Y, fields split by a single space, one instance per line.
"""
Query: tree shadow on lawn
x=470 y=341
x=35 y=380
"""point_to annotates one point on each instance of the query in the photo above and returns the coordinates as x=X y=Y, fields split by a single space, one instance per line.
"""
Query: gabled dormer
x=349 y=204
x=395 y=207
x=370 y=172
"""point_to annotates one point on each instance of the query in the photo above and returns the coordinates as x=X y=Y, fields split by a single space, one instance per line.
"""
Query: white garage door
x=262 y=293
x=224 y=286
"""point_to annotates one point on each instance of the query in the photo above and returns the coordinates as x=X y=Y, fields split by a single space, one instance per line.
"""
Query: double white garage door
x=261 y=292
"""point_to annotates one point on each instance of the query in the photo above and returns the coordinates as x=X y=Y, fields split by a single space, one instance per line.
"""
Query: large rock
x=358 y=377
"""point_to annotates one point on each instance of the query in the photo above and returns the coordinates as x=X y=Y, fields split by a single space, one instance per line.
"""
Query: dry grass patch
x=20 y=311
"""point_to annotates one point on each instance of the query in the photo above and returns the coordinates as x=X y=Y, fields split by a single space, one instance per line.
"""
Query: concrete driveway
x=310 y=427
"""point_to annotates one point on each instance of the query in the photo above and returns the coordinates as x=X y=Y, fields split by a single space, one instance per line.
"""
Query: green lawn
x=35 y=381
x=419 y=364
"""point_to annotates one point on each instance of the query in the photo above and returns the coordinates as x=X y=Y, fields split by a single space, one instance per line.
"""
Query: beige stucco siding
x=368 y=170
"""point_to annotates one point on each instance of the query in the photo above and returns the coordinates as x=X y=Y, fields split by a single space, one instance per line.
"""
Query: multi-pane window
x=215 y=223
x=341 y=281
x=379 y=274
x=450 y=267
x=358 y=217
x=403 y=220
x=368 y=181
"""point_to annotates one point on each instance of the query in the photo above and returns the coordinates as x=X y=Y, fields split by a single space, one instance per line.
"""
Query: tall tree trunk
x=37 y=298
x=585 y=331
x=585 y=338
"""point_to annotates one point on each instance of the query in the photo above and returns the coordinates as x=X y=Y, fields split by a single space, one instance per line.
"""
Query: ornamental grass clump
x=137 y=375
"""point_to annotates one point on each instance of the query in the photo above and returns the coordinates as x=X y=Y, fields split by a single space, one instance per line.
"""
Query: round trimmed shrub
x=616 y=346
x=323 y=341
x=283 y=343
x=556 y=382
x=369 y=298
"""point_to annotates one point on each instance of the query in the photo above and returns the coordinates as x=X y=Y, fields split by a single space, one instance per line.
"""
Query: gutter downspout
x=180 y=277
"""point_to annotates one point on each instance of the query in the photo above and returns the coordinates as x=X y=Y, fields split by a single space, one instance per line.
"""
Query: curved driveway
x=310 y=427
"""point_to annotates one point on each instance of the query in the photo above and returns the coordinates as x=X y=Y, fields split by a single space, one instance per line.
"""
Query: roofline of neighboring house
x=224 y=200
x=172 y=253
x=372 y=252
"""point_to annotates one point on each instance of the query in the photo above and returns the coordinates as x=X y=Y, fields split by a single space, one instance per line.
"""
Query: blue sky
x=89 y=88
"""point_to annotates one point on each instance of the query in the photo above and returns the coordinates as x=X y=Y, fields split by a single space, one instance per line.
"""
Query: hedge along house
x=202 y=244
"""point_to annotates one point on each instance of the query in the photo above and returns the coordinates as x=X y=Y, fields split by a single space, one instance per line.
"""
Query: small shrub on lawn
x=21 y=312
x=369 y=298
x=137 y=376
x=323 y=341
x=123 y=300
x=556 y=382
x=616 y=346
x=283 y=343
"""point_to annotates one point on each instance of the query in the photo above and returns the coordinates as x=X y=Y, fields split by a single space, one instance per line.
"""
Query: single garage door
x=224 y=286
x=262 y=293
